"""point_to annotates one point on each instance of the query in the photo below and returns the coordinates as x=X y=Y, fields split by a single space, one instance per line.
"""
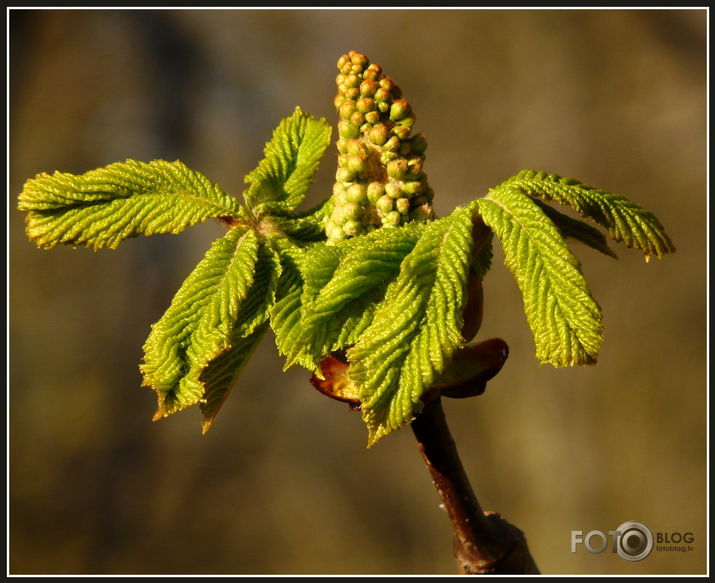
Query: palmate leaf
x=279 y=183
x=625 y=220
x=416 y=329
x=102 y=207
x=335 y=311
x=574 y=229
x=224 y=301
x=564 y=318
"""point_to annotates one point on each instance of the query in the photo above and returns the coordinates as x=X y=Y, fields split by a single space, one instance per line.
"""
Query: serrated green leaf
x=285 y=314
x=102 y=207
x=564 y=318
x=281 y=180
x=251 y=323
x=575 y=229
x=416 y=329
x=221 y=374
x=225 y=298
x=625 y=220
x=344 y=305
x=305 y=272
x=305 y=228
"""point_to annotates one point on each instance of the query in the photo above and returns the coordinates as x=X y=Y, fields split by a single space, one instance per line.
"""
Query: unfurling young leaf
x=344 y=282
x=102 y=207
x=279 y=183
x=222 y=302
x=416 y=329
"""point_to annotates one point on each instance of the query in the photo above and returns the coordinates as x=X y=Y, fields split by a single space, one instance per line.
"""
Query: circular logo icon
x=635 y=541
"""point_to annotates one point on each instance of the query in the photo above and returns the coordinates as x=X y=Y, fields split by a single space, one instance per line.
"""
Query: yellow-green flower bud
x=348 y=130
x=393 y=190
x=347 y=107
x=365 y=104
x=357 y=148
x=342 y=61
x=338 y=101
x=373 y=72
x=408 y=121
x=336 y=234
x=351 y=210
x=342 y=145
x=357 y=193
x=352 y=80
x=357 y=119
x=389 y=85
x=383 y=106
x=378 y=134
x=399 y=109
x=392 y=145
x=401 y=132
x=387 y=156
x=352 y=228
x=424 y=212
x=382 y=96
x=357 y=164
x=374 y=191
x=402 y=205
x=414 y=168
x=397 y=168
x=358 y=59
x=413 y=187
x=352 y=92
x=372 y=117
x=342 y=197
x=345 y=175
x=368 y=88
x=392 y=219
x=385 y=204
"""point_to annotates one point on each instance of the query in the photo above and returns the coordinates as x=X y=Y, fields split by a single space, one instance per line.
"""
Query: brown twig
x=484 y=542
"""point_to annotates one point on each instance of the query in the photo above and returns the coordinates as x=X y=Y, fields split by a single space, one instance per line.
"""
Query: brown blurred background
x=283 y=482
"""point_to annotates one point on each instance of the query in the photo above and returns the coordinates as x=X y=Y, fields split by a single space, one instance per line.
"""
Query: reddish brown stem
x=484 y=542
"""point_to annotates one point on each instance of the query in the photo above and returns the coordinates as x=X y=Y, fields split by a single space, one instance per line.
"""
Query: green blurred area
x=283 y=483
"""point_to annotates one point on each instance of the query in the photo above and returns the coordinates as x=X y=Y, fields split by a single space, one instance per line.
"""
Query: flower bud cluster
x=379 y=181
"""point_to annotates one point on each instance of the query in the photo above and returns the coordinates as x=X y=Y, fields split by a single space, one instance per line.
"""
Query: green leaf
x=575 y=229
x=307 y=227
x=222 y=372
x=416 y=329
x=625 y=220
x=305 y=272
x=281 y=180
x=102 y=207
x=224 y=300
x=285 y=314
x=344 y=305
x=564 y=318
x=251 y=323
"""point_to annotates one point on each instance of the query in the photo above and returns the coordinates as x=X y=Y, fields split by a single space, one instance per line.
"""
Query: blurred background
x=283 y=482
